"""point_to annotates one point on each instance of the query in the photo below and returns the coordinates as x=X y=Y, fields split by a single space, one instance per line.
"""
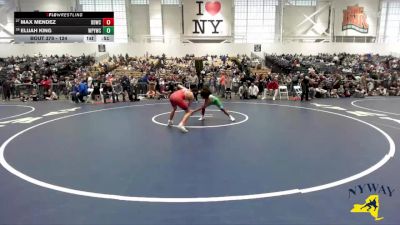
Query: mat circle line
x=25 y=106
x=353 y=103
x=380 y=163
x=206 y=126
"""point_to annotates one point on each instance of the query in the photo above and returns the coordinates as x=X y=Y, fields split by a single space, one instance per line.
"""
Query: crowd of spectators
x=133 y=78
x=40 y=77
x=340 y=75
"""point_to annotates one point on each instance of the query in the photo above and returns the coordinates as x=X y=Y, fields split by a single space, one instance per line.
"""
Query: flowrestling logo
x=368 y=199
x=354 y=18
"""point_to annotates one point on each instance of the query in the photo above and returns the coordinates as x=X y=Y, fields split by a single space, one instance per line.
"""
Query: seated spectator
x=79 y=92
x=22 y=97
x=320 y=92
x=108 y=92
x=347 y=93
x=83 y=90
x=382 y=91
x=151 y=94
x=359 y=92
x=340 y=91
x=46 y=94
x=335 y=93
x=395 y=88
x=272 y=86
x=52 y=95
x=243 y=91
x=253 y=91
x=371 y=87
x=34 y=95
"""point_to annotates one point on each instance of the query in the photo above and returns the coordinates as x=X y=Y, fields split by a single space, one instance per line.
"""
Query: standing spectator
x=6 y=90
x=126 y=89
x=305 y=81
x=235 y=84
x=222 y=82
x=46 y=85
x=228 y=87
x=108 y=92
x=194 y=85
x=212 y=83
x=95 y=89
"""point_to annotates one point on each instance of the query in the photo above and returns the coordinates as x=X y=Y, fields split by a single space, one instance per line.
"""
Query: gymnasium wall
x=47 y=5
x=139 y=21
x=172 y=20
x=197 y=49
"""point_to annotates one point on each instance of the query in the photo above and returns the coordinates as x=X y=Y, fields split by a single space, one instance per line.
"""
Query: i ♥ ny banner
x=207 y=17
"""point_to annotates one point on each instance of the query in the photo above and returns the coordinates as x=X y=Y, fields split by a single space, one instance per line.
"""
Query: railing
x=155 y=38
x=354 y=39
x=306 y=39
x=18 y=90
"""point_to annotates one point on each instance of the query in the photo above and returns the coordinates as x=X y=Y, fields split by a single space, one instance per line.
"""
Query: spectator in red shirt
x=273 y=86
x=46 y=84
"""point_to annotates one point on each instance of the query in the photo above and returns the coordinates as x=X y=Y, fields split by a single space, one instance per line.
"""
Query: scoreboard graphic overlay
x=63 y=27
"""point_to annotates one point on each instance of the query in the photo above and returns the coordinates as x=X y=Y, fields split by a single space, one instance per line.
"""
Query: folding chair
x=297 y=90
x=283 y=91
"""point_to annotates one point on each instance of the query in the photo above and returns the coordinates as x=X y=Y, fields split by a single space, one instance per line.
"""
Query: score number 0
x=108 y=26
x=108 y=21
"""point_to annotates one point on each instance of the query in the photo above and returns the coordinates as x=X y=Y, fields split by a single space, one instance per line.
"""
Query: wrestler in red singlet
x=178 y=99
x=181 y=98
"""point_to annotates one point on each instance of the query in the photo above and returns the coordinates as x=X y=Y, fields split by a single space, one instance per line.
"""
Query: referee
x=305 y=84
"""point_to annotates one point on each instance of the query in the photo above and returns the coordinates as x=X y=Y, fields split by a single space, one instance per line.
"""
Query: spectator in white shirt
x=253 y=91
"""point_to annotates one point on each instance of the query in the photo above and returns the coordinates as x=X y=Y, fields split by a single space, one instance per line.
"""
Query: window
x=139 y=2
x=389 y=28
x=255 y=21
x=170 y=2
x=119 y=9
x=302 y=2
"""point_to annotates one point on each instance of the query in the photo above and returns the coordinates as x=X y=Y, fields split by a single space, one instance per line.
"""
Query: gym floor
x=280 y=162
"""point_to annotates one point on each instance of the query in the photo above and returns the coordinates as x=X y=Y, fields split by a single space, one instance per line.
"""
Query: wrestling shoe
x=202 y=118
x=170 y=123
x=182 y=128
x=232 y=118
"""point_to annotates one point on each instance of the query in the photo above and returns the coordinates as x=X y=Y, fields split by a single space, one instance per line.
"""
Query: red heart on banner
x=213 y=7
